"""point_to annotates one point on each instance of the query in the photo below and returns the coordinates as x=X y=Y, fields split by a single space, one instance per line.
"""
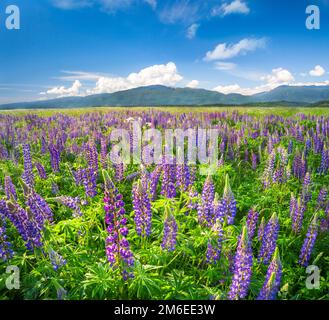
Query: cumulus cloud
x=192 y=30
x=278 y=77
x=318 y=71
x=224 y=51
x=193 y=84
x=227 y=8
x=163 y=74
x=60 y=92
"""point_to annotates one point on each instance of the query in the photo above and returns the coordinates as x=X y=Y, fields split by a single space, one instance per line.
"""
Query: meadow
x=78 y=226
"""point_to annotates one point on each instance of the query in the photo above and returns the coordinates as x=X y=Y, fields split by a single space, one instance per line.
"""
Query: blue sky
x=81 y=47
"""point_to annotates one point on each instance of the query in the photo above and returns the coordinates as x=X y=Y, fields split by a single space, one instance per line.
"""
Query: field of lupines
x=79 y=227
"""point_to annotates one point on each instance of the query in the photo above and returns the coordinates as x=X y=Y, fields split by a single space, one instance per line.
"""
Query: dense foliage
x=79 y=227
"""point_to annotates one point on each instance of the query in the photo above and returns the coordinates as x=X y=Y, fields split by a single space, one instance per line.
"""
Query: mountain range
x=166 y=96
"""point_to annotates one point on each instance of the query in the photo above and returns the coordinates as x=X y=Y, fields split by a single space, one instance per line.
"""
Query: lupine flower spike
x=309 y=242
x=169 y=231
x=118 y=250
x=242 y=269
x=273 y=279
x=270 y=237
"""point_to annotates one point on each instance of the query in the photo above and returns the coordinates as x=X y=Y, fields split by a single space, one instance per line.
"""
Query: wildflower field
x=78 y=226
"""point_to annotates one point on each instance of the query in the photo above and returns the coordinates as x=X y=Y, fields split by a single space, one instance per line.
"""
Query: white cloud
x=163 y=74
x=193 y=84
x=183 y=11
x=236 y=6
x=192 y=30
x=60 y=92
x=225 y=65
x=318 y=71
x=225 y=51
x=79 y=75
x=278 y=77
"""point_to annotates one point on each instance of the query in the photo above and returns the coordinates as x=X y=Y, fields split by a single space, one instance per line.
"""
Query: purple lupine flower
x=43 y=145
x=37 y=205
x=72 y=203
x=272 y=280
x=54 y=158
x=193 y=197
x=26 y=225
x=269 y=170
x=270 y=237
x=142 y=208
x=56 y=260
x=299 y=166
x=252 y=220
x=155 y=176
x=27 y=176
x=242 y=269
x=246 y=155
x=214 y=247
x=293 y=204
x=6 y=251
x=41 y=171
x=132 y=176
x=78 y=176
x=118 y=250
x=145 y=178
x=205 y=206
x=322 y=198
x=169 y=232
x=183 y=177
x=228 y=203
x=168 y=188
x=3 y=152
x=192 y=169
x=324 y=166
x=219 y=213
x=119 y=171
x=297 y=214
x=306 y=190
x=92 y=156
x=89 y=181
x=10 y=189
x=309 y=242
x=54 y=189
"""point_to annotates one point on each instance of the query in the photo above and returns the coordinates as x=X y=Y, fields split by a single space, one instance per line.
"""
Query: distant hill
x=304 y=94
x=166 y=96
